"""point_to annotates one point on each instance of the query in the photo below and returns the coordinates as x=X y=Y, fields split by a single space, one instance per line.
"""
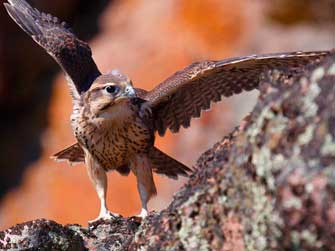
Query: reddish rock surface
x=148 y=40
x=266 y=186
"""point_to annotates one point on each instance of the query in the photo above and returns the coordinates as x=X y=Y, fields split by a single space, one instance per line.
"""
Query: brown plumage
x=73 y=154
x=115 y=123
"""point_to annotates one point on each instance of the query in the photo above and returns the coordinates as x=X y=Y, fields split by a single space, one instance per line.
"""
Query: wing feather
x=73 y=55
x=73 y=154
x=183 y=95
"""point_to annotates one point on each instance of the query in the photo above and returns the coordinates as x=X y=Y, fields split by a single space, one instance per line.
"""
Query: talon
x=105 y=216
x=113 y=215
x=143 y=214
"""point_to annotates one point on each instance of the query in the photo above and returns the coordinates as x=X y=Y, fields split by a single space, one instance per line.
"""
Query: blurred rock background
x=147 y=40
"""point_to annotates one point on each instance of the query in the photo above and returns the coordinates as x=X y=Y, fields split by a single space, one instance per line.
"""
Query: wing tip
x=21 y=13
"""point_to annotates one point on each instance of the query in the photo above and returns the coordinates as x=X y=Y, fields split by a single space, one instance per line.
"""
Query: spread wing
x=72 y=54
x=183 y=95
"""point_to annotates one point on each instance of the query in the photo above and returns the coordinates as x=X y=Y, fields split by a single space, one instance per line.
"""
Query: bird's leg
x=98 y=178
x=145 y=182
x=144 y=199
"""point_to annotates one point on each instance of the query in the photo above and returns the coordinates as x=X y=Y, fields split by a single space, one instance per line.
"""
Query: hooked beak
x=129 y=93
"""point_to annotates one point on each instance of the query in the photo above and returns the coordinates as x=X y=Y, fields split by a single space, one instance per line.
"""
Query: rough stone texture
x=269 y=185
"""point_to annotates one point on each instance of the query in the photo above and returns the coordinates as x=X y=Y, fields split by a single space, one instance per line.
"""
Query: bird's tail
x=73 y=154
x=164 y=164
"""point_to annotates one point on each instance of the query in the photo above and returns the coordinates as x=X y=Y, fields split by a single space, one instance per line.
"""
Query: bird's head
x=109 y=92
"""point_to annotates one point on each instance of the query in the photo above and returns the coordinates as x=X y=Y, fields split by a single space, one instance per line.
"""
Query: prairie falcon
x=115 y=123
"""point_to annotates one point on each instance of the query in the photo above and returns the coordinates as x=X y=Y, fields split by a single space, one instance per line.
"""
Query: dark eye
x=112 y=89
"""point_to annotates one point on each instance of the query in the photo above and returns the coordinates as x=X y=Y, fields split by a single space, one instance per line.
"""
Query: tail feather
x=161 y=162
x=165 y=165
x=73 y=154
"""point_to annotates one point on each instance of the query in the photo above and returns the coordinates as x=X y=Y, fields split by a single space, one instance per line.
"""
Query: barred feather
x=73 y=154
x=183 y=95
x=165 y=165
x=72 y=54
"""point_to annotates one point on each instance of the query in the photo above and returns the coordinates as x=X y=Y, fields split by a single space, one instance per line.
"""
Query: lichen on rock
x=269 y=185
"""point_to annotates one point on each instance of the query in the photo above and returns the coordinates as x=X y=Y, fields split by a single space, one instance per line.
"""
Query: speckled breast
x=113 y=143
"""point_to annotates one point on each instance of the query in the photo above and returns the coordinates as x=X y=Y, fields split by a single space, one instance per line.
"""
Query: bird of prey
x=115 y=123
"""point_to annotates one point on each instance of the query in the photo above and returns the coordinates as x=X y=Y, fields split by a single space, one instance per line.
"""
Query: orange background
x=148 y=41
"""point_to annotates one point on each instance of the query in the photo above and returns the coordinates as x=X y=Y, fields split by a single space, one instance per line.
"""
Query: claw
x=107 y=215
x=143 y=214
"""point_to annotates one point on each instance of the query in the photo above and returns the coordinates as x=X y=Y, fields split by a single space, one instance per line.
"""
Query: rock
x=42 y=234
x=269 y=185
